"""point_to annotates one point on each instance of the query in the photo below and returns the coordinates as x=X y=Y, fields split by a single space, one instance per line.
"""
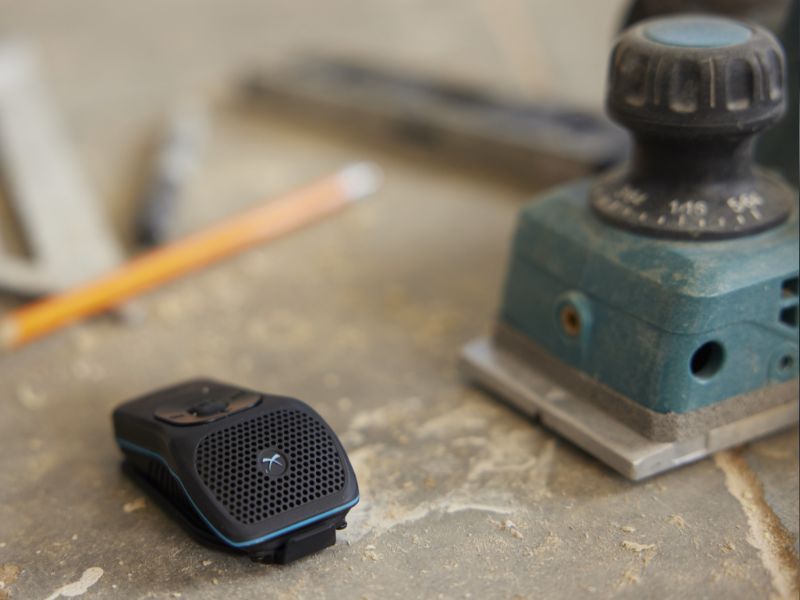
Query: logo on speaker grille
x=272 y=462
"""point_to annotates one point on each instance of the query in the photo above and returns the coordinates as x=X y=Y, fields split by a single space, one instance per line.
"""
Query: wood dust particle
x=134 y=505
x=636 y=547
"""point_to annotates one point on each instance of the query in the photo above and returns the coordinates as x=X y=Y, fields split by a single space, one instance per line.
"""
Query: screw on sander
x=651 y=315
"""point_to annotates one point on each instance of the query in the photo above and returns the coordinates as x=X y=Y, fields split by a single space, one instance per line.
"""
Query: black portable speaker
x=240 y=469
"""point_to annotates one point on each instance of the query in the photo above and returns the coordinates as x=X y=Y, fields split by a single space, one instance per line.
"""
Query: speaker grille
x=228 y=463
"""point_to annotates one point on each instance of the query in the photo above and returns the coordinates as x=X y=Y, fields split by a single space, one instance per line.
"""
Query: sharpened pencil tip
x=360 y=179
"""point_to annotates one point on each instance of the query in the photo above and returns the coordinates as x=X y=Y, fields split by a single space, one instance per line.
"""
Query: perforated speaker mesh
x=228 y=462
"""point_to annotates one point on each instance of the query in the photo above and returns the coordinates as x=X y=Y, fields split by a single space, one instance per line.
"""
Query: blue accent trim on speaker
x=125 y=444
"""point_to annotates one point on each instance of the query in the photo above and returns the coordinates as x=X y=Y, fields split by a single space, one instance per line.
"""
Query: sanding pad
x=534 y=392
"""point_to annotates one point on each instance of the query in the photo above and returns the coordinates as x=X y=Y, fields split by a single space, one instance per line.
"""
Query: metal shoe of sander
x=650 y=315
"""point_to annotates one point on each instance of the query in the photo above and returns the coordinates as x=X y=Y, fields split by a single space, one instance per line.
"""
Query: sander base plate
x=598 y=433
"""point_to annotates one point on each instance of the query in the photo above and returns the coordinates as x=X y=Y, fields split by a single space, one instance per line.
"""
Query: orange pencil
x=263 y=223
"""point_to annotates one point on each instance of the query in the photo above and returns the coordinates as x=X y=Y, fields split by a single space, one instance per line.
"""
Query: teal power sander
x=650 y=315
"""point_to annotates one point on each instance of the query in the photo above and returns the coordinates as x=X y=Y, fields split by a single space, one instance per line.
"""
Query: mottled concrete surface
x=362 y=316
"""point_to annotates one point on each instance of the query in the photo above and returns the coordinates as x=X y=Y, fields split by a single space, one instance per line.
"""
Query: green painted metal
x=674 y=326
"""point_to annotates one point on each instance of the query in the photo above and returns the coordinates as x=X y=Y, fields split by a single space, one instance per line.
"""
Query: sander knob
x=694 y=91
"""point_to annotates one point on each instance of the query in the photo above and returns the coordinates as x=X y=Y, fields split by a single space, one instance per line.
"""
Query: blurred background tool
x=533 y=143
x=65 y=239
x=181 y=145
x=260 y=224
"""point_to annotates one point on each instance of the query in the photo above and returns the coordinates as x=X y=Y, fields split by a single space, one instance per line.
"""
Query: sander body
x=650 y=314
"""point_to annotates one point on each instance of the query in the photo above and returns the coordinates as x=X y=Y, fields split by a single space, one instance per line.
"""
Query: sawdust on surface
x=509 y=526
x=629 y=576
x=637 y=547
x=634 y=572
x=550 y=543
x=8 y=574
x=371 y=554
x=766 y=534
x=678 y=521
x=134 y=505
